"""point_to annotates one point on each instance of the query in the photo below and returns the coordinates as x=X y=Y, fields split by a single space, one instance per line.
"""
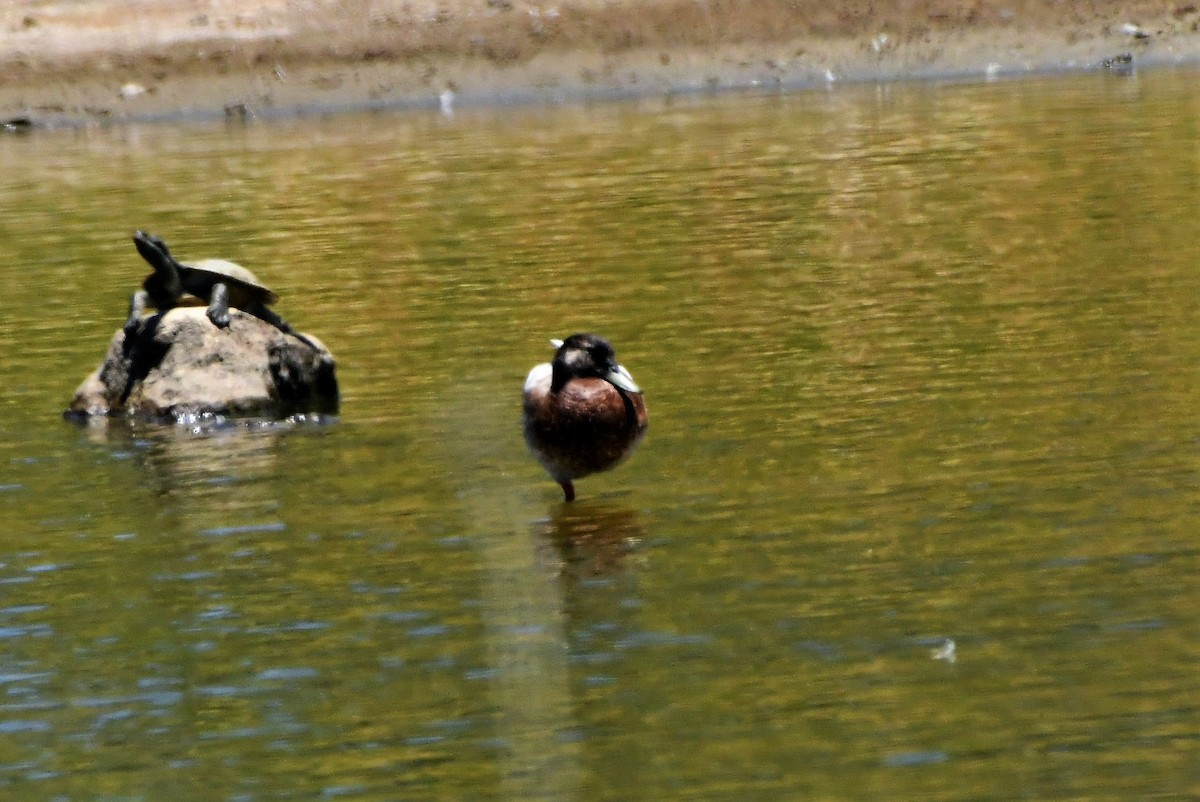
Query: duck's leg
x=218 y=306
x=568 y=490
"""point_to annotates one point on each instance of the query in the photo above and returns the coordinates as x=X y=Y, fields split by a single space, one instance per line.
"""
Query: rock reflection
x=207 y=451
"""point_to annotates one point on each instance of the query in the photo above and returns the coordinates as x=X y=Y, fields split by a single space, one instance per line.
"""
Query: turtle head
x=151 y=247
x=167 y=284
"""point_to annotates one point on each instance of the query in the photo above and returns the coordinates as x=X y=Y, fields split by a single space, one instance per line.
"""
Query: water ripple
x=13 y=726
x=242 y=529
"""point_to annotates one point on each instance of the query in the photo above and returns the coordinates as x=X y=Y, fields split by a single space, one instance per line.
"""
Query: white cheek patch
x=539 y=376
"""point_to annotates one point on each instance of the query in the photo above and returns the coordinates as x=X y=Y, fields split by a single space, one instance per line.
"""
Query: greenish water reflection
x=921 y=365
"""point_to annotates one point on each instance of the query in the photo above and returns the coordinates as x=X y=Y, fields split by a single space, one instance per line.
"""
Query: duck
x=583 y=412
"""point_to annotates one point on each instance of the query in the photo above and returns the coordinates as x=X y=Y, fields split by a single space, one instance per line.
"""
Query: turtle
x=215 y=282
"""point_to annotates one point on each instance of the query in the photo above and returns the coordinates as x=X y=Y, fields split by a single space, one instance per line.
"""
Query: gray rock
x=178 y=365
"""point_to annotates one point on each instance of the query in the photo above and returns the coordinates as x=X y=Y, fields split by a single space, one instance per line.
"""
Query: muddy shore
x=66 y=62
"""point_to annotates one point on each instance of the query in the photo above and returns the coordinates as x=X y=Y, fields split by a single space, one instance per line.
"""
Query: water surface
x=921 y=365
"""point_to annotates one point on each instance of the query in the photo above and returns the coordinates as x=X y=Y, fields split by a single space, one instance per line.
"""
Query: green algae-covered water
x=922 y=368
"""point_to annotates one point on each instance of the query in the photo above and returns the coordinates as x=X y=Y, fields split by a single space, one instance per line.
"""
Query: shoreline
x=65 y=63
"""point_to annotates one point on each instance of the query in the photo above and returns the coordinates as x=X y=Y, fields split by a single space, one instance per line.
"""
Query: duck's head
x=589 y=356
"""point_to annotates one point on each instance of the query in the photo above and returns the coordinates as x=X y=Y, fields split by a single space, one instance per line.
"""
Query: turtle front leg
x=137 y=306
x=218 y=306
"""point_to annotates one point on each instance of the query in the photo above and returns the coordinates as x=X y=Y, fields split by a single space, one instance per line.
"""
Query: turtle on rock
x=215 y=282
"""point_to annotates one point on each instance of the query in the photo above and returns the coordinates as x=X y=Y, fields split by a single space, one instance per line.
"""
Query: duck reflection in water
x=583 y=412
x=591 y=539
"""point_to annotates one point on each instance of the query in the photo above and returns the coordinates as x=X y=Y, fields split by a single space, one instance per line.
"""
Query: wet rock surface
x=178 y=365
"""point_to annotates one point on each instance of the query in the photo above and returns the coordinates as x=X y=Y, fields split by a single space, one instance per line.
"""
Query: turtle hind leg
x=218 y=306
x=267 y=315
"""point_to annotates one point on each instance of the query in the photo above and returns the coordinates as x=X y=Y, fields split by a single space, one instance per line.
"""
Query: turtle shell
x=233 y=274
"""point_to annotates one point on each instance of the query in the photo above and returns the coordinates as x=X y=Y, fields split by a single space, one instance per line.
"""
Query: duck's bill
x=619 y=377
x=556 y=343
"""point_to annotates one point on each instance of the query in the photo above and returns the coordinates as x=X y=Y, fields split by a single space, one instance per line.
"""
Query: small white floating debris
x=880 y=42
x=829 y=76
x=948 y=652
x=446 y=102
x=132 y=90
x=1136 y=31
x=1122 y=64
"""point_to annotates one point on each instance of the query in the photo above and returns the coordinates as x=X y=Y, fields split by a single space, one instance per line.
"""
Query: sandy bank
x=109 y=60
